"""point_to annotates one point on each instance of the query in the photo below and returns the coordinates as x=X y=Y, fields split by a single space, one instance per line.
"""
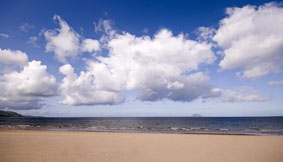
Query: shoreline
x=65 y=146
x=243 y=126
x=126 y=132
x=140 y=131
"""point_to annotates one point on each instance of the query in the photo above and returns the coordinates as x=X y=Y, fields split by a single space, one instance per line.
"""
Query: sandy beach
x=62 y=146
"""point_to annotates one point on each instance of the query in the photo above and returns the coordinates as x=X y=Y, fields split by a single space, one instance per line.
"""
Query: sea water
x=206 y=125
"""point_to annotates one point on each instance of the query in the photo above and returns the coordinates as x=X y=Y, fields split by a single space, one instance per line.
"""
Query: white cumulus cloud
x=13 y=57
x=80 y=90
x=63 y=42
x=90 y=45
x=11 y=60
x=252 y=39
x=33 y=80
x=162 y=67
x=24 y=88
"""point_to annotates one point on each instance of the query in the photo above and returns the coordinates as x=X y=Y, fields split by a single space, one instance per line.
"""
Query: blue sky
x=141 y=58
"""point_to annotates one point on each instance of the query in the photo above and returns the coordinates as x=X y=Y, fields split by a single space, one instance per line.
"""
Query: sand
x=62 y=146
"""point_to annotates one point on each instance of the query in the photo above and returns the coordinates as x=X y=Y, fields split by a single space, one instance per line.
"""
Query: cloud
x=104 y=26
x=63 y=42
x=4 y=35
x=25 y=27
x=162 y=67
x=275 y=83
x=205 y=33
x=186 y=89
x=252 y=40
x=66 y=42
x=243 y=94
x=80 y=90
x=33 y=80
x=27 y=88
x=11 y=57
x=32 y=41
x=90 y=45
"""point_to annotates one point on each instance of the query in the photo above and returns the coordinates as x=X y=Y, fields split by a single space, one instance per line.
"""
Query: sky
x=141 y=58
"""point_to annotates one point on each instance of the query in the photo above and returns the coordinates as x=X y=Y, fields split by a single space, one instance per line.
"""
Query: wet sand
x=62 y=146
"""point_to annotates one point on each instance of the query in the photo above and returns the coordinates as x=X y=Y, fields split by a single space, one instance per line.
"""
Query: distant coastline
x=9 y=114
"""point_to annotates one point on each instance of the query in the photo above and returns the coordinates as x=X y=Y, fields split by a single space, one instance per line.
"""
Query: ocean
x=183 y=125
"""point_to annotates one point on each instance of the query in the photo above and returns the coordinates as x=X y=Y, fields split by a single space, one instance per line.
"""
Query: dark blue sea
x=183 y=125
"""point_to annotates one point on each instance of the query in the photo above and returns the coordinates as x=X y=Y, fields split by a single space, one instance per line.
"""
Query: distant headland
x=9 y=114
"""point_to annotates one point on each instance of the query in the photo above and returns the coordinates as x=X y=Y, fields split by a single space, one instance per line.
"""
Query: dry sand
x=60 y=146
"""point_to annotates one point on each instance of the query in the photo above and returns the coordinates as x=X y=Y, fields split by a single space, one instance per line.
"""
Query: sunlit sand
x=60 y=146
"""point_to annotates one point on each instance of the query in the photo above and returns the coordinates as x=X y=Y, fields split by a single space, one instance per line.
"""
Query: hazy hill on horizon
x=9 y=114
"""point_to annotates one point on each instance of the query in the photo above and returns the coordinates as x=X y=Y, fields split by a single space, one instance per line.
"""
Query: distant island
x=9 y=114
x=196 y=115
